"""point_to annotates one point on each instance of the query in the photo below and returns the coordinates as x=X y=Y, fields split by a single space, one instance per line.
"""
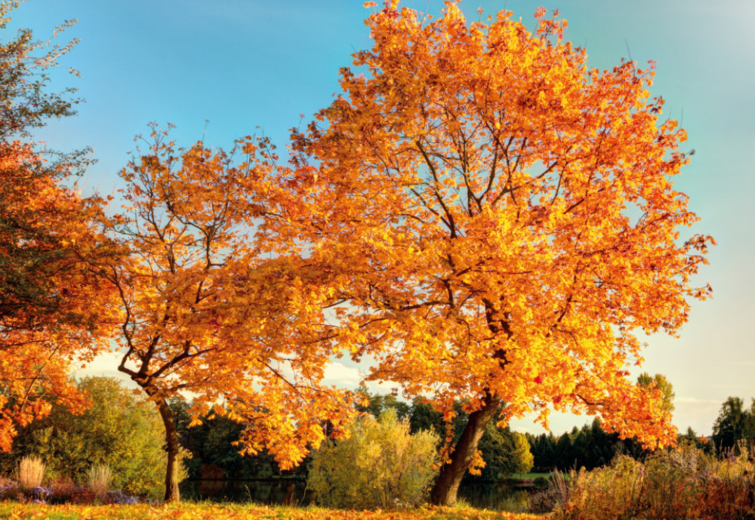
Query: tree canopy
x=52 y=310
x=499 y=221
x=209 y=307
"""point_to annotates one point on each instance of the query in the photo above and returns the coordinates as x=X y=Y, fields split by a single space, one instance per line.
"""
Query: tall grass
x=683 y=483
x=30 y=472
x=98 y=479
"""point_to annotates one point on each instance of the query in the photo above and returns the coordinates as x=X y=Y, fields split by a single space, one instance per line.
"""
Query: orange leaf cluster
x=211 y=307
x=496 y=219
x=53 y=311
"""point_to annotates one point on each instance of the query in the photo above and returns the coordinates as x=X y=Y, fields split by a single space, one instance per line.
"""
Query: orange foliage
x=213 y=309
x=53 y=312
x=497 y=219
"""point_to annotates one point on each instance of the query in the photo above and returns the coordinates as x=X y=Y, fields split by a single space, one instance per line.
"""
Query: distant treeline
x=124 y=433
x=589 y=447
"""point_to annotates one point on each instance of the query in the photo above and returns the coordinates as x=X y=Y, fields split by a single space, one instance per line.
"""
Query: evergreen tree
x=733 y=423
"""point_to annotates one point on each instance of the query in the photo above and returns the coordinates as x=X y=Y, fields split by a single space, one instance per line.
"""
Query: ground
x=207 y=511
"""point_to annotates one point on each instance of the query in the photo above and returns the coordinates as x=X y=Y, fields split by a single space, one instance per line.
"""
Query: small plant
x=82 y=496
x=31 y=471
x=462 y=504
x=120 y=498
x=62 y=491
x=98 y=479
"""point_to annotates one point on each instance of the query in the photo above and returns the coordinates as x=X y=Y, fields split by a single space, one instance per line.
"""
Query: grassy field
x=207 y=511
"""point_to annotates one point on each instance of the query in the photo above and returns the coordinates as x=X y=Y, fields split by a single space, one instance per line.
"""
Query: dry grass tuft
x=99 y=479
x=31 y=471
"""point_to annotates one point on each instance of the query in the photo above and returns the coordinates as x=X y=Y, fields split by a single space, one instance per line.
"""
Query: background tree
x=659 y=381
x=698 y=441
x=734 y=422
x=214 y=450
x=504 y=452
x=210 y=308
x=378 y=403
x=501 y=220
x=52 y=311
x=118 y=430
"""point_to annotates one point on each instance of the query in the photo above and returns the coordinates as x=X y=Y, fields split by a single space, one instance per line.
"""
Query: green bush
x=118 y=430
x=381 y=464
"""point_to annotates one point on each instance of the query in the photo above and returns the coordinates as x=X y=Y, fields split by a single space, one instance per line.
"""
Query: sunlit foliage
x=380 y=465
x=499 y=221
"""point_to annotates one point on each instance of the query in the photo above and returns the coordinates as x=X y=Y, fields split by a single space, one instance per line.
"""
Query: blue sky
x=244 y=64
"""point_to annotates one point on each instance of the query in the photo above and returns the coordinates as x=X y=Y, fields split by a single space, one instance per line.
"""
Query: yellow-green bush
x=381 y=464
x=118 y=430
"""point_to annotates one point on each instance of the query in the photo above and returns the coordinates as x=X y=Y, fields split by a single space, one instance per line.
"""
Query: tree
x=378 y=403
x=504 y=452
x=733 y=423
x=52 y=310
x=117 y=430
x=211 y=308
x=497 y=221
x=661 y=382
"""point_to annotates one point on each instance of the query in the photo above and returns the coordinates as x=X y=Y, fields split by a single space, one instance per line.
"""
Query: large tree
x=52 y=311
x=498 y=222
x=211 y=307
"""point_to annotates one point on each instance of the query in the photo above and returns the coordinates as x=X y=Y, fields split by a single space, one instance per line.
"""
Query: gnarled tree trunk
x=447 y=486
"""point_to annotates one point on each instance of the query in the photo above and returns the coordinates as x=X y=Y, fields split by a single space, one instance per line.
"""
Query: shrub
x=381 y=464
x=119 y=430
x=684 y=483
x=31 y=471
x=62 y=491
x=120 y=498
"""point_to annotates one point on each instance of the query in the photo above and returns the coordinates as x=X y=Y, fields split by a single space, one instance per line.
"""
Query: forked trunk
x=172 y=493
x=447 y=486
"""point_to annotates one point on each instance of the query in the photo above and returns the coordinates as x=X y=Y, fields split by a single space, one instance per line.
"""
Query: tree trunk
x=172 y=493
x=447 y=486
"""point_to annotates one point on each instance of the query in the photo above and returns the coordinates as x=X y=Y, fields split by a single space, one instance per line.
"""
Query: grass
x=207 y=511
x=98 y=479
x=31 y=471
